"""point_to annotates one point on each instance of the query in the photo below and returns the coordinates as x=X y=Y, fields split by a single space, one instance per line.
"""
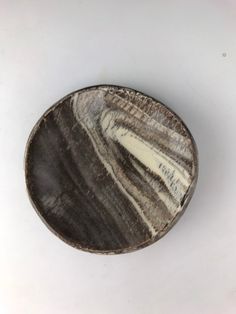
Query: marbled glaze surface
x=110 y=169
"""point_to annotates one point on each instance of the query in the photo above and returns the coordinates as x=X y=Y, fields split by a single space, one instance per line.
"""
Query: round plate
x=109 y=169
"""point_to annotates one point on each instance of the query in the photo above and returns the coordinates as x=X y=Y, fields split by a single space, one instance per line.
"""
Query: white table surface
x=184 y=54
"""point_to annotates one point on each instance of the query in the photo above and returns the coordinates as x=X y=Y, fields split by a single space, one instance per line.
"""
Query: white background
x=184 y=54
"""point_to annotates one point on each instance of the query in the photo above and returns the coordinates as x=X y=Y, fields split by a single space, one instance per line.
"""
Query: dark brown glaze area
x=73 y=191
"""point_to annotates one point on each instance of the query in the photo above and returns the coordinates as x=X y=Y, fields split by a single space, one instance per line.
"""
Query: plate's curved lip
x=167 y=227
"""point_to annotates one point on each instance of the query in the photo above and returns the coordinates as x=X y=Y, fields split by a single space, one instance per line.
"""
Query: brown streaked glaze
x=109 y=169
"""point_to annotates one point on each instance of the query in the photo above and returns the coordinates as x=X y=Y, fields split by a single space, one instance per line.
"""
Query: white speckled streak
x=176 y=178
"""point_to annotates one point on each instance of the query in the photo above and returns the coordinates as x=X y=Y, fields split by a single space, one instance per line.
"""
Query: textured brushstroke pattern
x=110 y=169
